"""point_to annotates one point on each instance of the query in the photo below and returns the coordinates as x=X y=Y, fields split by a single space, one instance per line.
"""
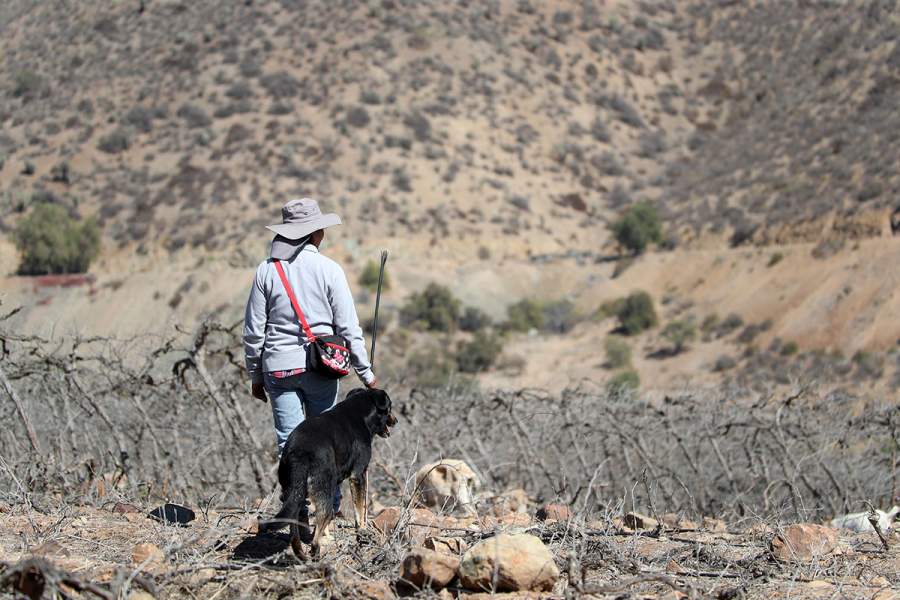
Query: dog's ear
x=381 y=399
x=356 y=392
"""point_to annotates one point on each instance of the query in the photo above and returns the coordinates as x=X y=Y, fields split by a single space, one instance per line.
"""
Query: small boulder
x=123 y=508
x=508 y=563
x=423 y=567
x=424 y=524
x=515 y=500
x=148 y=555
x=554 y=512
x=804 y=541
x=634 y=520
x=386 y=521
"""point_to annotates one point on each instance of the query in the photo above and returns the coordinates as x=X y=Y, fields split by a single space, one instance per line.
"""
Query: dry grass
x=177 y=427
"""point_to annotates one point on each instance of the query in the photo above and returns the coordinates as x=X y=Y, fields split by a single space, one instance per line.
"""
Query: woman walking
x=275 y=342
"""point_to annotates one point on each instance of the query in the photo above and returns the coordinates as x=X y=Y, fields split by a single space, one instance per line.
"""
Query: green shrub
x=369 y=277
x=680 y=333
x=731 y=323
x=474 y=319
x=479 y=353
x=638 y=227
x=559 y=316
x=435 y=308
x=28 y=85
x=193 y=115
x=637 y=313
x=525 y=315
x=709 y=324
x=60 y=173
x=789 y=349
x=618 y=352
x=724 y=363
x=115 y=141
x=140 y=117
x=51 y=241
x=775 y=259
x=623 y=381
x=358 y=116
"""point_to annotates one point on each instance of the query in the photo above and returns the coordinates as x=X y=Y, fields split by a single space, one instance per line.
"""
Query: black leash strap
x=384 y=257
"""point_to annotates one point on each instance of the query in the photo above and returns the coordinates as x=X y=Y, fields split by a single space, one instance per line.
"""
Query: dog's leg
x=296 y=544
x=359 y=488
x=322 y=492
x=323 y=521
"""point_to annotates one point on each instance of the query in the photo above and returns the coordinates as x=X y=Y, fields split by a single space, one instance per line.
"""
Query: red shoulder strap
x=287 y=287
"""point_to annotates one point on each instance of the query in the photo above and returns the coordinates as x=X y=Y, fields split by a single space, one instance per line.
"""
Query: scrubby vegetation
x=435 y=308
x=679 y=333
x=480 y=353
x=638 y=227
x=636 y=313
x=50 y=240
x=618 y=352
x=623 y=381
x=368 y=278
x=524 y=315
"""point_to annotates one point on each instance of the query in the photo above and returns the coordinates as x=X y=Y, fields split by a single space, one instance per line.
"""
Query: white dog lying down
x=447 y=484
x=860 y=521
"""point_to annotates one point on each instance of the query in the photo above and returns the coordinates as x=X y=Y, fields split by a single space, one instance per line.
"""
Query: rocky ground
x=116 y=550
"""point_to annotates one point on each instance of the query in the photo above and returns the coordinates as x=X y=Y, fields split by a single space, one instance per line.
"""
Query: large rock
x=804 y=541
x=423 y=567
x=508 y=563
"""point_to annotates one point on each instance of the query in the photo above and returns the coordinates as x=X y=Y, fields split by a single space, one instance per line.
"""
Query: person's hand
x=259 y=392
x=372 y=385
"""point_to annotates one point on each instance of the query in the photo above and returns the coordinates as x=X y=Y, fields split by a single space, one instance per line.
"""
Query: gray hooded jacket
x=273 y=337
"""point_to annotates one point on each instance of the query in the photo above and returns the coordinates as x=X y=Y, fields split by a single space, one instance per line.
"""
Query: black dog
x=326 y=450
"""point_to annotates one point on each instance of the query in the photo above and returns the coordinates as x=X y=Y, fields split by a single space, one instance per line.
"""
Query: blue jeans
x=294 y=399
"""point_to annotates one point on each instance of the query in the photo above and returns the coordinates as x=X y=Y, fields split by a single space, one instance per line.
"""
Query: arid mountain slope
x=189 y=124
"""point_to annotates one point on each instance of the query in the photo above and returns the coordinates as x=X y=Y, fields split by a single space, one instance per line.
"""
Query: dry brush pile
x=91 y=427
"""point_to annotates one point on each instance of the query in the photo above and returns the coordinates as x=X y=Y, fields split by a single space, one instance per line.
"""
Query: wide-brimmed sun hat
x=300 y=217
